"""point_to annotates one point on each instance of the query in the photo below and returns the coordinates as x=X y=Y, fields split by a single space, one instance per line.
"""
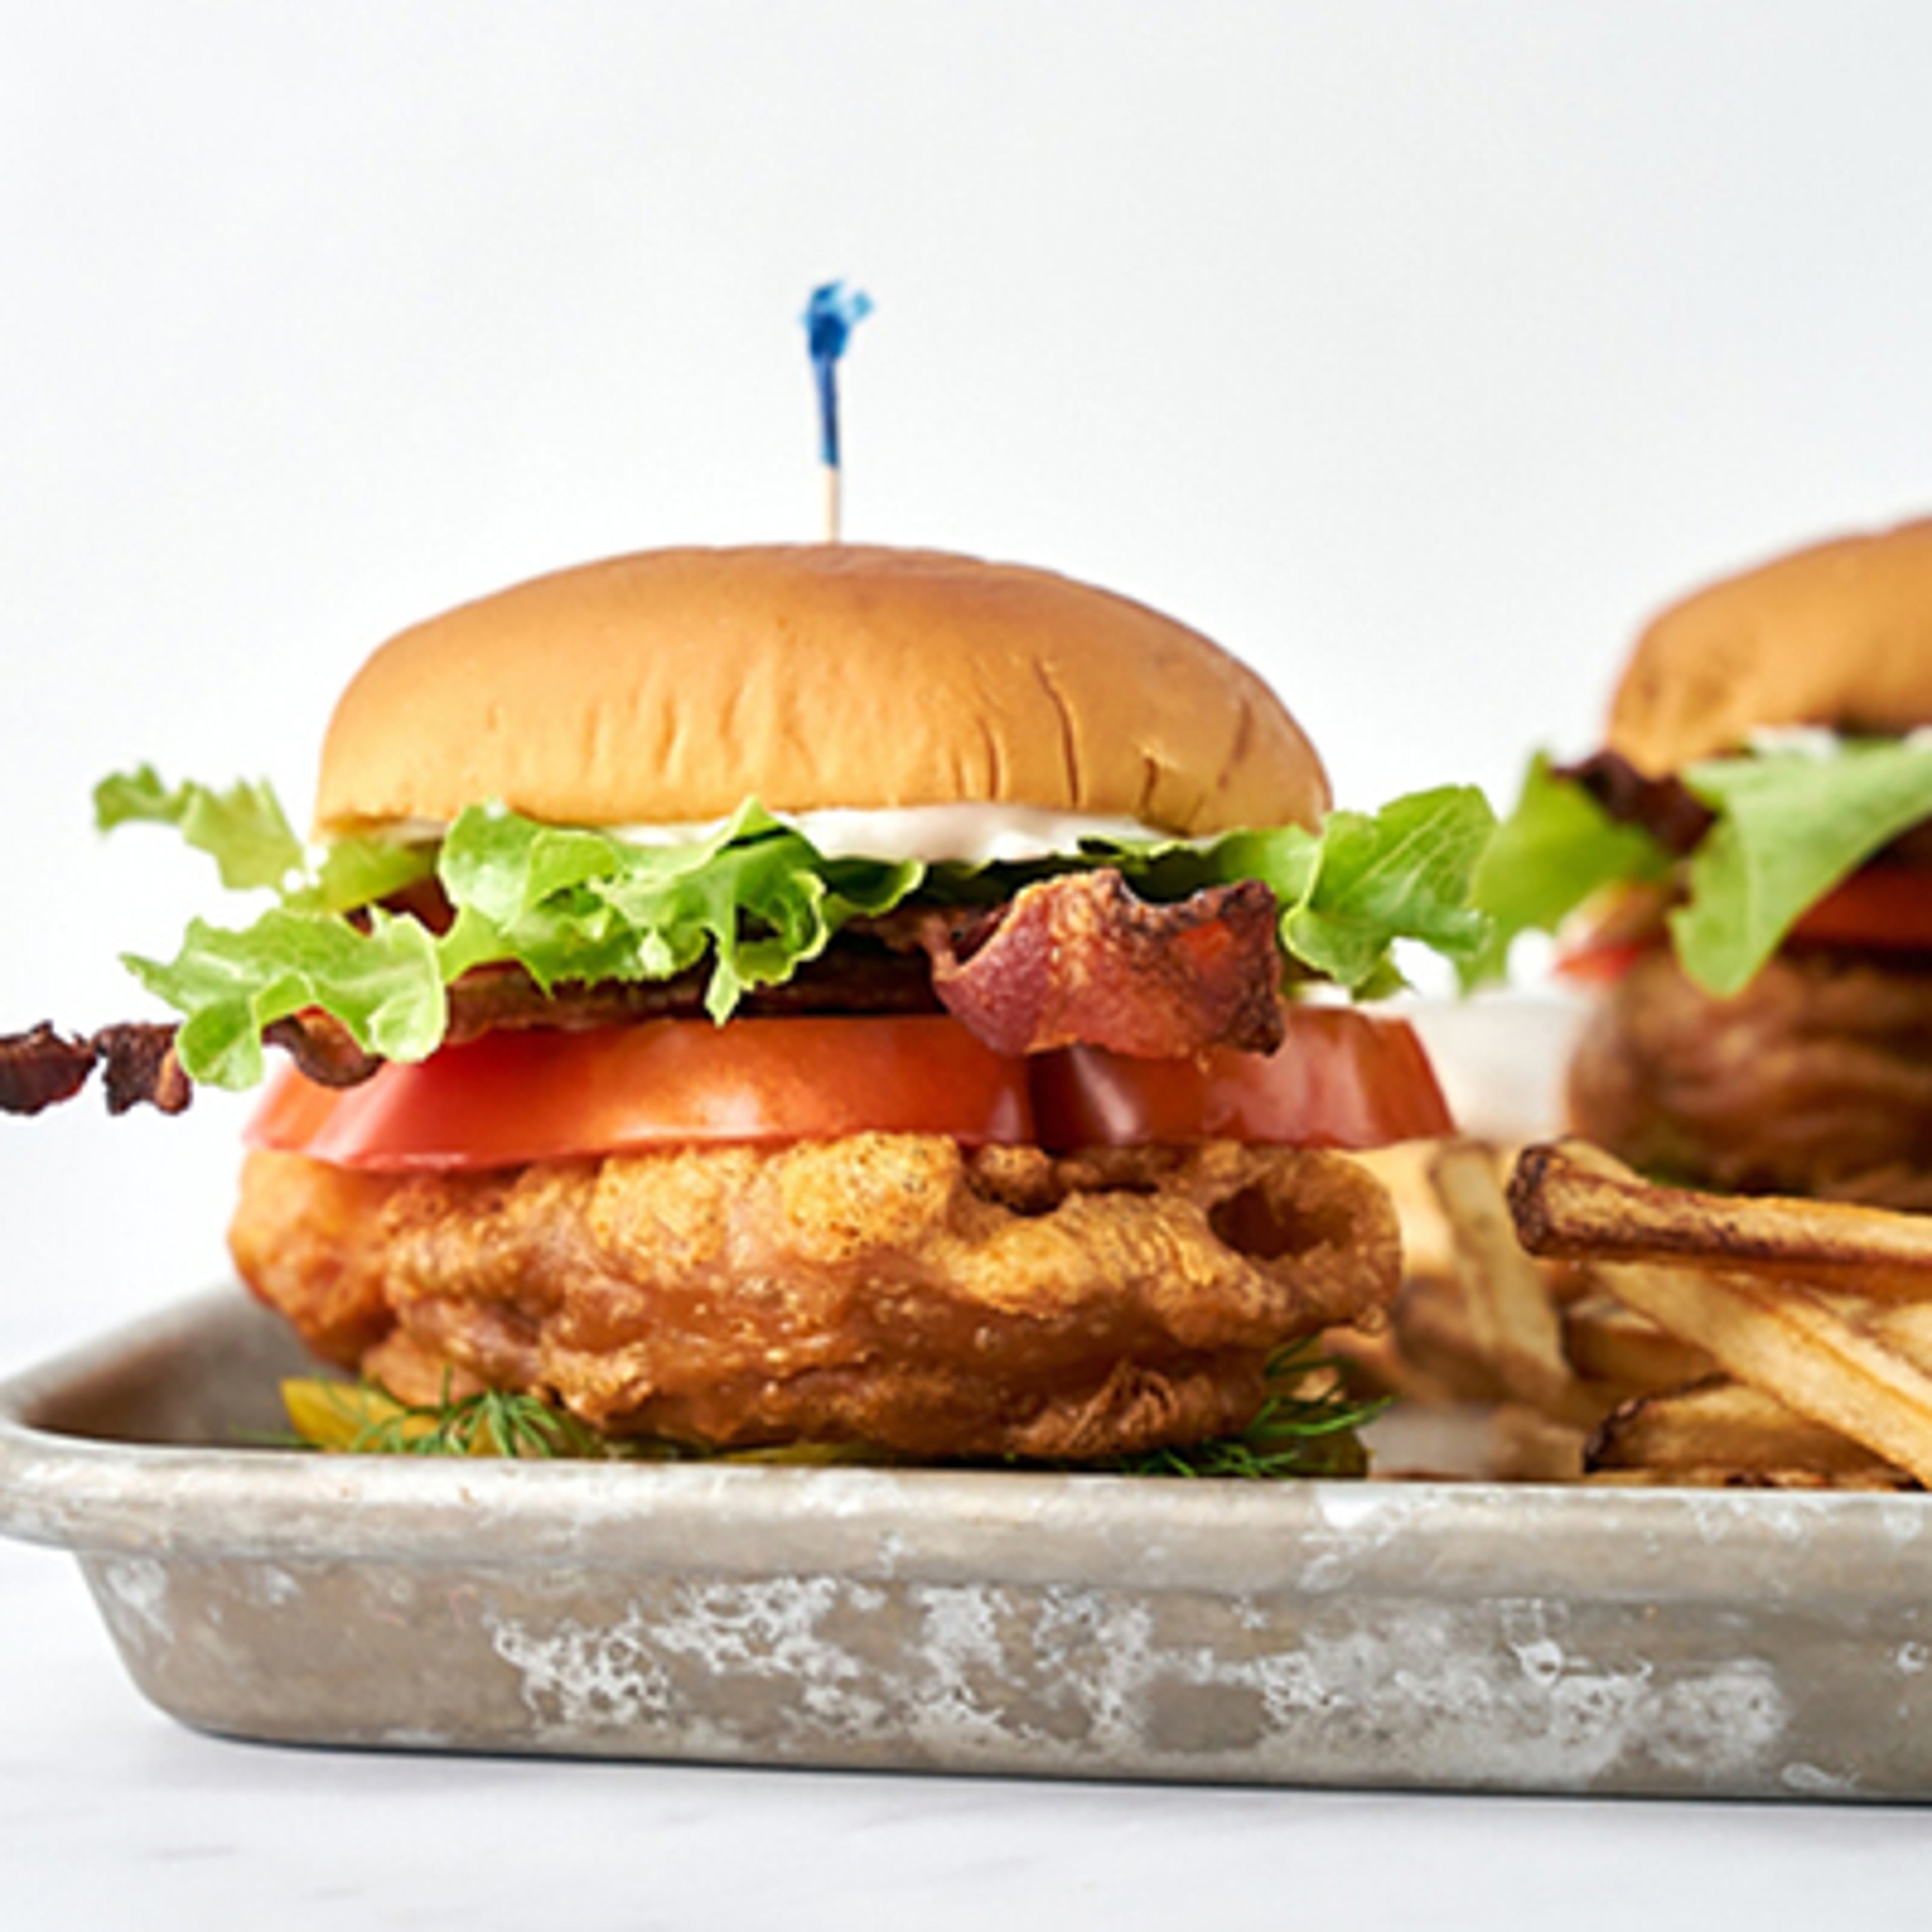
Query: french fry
x=1571 y=1201
x=1525 y=1446
x=1513 y=1323
x=1724 y=1425
x=1905 y=1326
x=1403 y=1169
x=1432 y=1325
x=1816 y=1352
x=1607 y=1343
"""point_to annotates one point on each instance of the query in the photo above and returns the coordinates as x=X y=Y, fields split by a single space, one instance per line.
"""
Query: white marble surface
x=113 y=1815
x=1415 y=352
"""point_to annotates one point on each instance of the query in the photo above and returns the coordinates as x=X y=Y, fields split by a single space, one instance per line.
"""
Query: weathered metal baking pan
x=1433 y=1634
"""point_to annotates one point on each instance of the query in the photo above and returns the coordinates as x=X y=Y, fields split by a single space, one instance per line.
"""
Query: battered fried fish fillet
x=1816 y=1079
x=894 y=1289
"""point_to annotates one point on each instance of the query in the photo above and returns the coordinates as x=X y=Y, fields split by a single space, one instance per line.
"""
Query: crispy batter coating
x=305 y=1243
x=890 y=1288
x=1816 y=1079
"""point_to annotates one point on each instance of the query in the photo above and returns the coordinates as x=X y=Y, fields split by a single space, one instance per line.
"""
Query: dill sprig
x=365 y=1419
x=492 y=1422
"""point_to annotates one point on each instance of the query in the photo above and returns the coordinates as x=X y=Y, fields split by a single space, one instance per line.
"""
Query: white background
x=1415 y=351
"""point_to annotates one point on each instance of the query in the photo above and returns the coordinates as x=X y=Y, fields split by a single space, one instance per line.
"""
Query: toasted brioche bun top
x=667 y=688
x=1839 y=635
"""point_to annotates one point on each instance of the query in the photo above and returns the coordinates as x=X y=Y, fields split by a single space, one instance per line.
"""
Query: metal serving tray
x=1466 y=1636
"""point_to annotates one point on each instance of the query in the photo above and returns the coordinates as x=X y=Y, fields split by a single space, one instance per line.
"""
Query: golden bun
x=1839 y=635
x=669 y=686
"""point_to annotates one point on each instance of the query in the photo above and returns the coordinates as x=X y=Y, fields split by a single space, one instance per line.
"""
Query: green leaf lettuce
x=1790 y=825
x=243 y=829
x=753 y=902
x=1554 y=852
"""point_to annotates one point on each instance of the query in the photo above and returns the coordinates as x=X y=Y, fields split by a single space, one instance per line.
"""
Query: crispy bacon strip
x=851 y=980
x=1666 y=808
x=1080 y=959
x=138 y=1064
x=323 y=1048
x=859 y=975
x=1076 y=959
x=39 y=1068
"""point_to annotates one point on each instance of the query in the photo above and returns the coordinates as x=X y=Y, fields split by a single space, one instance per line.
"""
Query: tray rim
x=99 y=1496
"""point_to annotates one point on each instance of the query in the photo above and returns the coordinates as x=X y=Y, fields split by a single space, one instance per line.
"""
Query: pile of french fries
x=1616 y=1331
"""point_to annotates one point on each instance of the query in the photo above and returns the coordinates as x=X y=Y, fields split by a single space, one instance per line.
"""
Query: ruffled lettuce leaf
x=247 y=834
x=753 y=902
x=1557 y=849
x=356 y=872
x=569 y=904
x=384 y=984
x=1791 y=824
x=1401 y=874
x=243 y=828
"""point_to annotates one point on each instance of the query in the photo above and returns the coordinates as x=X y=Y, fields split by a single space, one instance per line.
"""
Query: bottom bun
x=895 y=1290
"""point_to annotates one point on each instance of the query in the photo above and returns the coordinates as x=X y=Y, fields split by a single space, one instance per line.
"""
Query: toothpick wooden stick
x=830 y=318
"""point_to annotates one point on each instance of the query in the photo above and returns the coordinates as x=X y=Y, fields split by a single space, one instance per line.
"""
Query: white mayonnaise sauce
x=1820 y=741
x=1814 y=741
x=973 y=834
x=967 y=834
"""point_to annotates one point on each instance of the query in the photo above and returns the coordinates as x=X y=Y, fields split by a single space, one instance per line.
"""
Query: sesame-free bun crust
x=670 y=686
x=1839 y=635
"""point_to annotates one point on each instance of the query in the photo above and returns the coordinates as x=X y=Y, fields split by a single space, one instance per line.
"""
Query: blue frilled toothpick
x=833 y=312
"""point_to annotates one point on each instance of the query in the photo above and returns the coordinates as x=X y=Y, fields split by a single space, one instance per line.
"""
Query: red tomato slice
x=514 y=1096
x=1341 y=1079
x=1889 y=907
x=1620 y=925
x=1603 y=962
x=1886 y=907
